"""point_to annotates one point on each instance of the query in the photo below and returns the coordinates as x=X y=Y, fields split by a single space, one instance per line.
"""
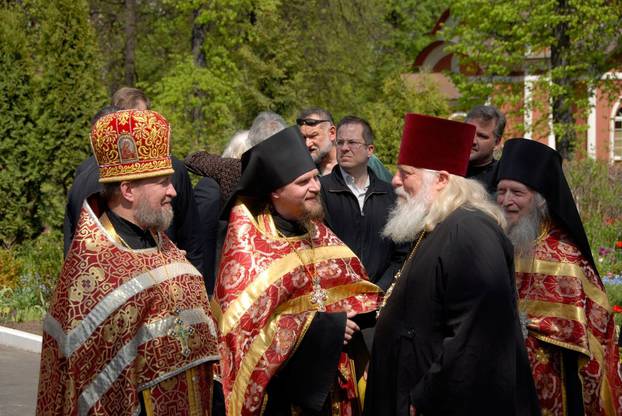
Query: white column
x=530 y=81
x=591 y=125
x=551 y=137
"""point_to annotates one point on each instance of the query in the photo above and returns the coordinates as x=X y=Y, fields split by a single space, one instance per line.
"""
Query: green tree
x=189 y=89
x=200 y=93
x=411 y=23
x=69 y=92
x=325 y=53
x=19 y=161
x=398 y=97
x=570 y=42
x=51 y=90
x=211 y=65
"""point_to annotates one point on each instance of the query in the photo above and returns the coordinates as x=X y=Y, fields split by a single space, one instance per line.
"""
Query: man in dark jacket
x=357 y=203
x=319 y=132
x=489 y=123
x=448 y=338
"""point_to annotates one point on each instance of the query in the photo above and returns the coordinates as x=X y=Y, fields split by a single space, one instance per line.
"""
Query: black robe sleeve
x=85 y=183
x=207 y=196
x=306 y=379
x=185 y=231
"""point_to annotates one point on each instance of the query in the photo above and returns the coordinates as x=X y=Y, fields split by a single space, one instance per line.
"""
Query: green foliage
x=597 y=188
x=273 y=55
x=42 y=259
x=614 y=294
x=28 y=276
x=69 y=93
x=397 y=97
x=48 y=93
x=572 y=43
x=411 y=22
x=302 y=55
x=21 y=304
x=10 y=268
x=200 y=103
x=20 y=157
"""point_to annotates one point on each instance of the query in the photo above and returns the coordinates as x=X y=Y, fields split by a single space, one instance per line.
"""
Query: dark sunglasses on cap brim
x=309 y=122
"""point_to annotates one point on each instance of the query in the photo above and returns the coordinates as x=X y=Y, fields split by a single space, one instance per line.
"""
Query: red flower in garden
x=617 y=309
x=618 y=244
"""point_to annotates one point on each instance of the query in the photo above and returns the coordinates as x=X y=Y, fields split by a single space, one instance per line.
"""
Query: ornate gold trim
x=543 y=309
x=148 y=401
x=130 y=177
x=257 y=349
x=559 y=343
x=605 y=391
x=276 y=270
x=552 y=268
x=335 y=294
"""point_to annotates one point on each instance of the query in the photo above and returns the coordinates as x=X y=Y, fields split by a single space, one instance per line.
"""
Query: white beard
x=524 y=233
x=406 y=218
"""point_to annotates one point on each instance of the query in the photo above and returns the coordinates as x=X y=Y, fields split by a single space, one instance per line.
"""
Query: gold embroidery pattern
x=147 y=155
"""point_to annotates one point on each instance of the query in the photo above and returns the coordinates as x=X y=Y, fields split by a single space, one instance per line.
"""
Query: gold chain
x=399 y=273
x=319 y=296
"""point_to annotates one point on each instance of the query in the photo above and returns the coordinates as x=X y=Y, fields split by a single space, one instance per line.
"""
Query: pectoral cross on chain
x=319 y=295
x=182 y=332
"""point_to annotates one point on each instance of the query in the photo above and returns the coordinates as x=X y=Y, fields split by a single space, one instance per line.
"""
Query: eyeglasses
x=352 y=144
x=309 y=122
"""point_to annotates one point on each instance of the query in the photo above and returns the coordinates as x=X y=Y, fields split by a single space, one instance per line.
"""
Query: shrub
x=614 y=294
x=10 y=268
x=42 y=260
x=23 y=303
x=597 y=188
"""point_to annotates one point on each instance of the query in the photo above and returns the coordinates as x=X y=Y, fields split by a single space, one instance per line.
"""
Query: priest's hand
x=351 y=328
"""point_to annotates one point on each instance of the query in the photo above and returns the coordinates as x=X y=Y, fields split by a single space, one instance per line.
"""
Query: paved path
x=19 y=376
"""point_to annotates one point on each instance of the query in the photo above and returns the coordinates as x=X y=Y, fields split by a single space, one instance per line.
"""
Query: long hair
x=461 y=193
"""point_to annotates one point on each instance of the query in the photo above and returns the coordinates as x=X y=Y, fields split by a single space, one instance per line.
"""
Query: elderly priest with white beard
x=448 y=339
x=571 y=339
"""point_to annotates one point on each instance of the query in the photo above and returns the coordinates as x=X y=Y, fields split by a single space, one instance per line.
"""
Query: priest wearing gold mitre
x=129 y=330
x=289 y=292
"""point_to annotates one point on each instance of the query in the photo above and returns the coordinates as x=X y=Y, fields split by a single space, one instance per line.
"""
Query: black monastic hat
x=539 y=167
x=271 y=164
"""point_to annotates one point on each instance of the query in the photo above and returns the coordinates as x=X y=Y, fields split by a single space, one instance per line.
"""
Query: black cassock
x=448 y=340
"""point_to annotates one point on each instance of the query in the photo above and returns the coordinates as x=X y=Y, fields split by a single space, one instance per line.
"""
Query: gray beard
x=406 y=218
x=321 y=154
x=524 y=233
x=153 y=219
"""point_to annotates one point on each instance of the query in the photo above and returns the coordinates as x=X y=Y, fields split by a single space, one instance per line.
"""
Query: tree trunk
x=199 y=32
x=130 y=43
x=563 y=117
